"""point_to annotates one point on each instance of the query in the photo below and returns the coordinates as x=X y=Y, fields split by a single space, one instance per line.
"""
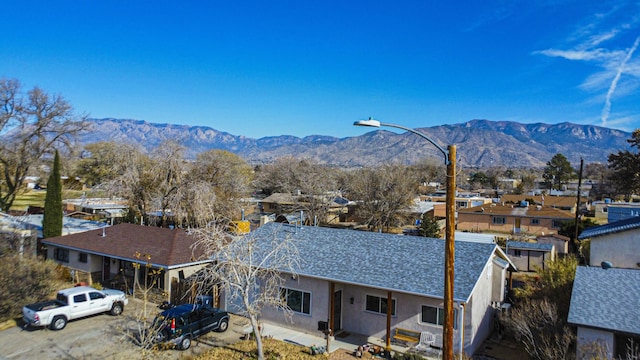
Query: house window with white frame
x=298 y=301
x=378 y=305
x=499 y=220
x=435 y=316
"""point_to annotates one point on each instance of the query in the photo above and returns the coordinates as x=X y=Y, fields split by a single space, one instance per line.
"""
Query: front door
x=337 y=310
x=106 y=268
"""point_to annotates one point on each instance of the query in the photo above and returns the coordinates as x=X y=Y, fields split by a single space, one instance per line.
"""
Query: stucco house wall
x=621 y=249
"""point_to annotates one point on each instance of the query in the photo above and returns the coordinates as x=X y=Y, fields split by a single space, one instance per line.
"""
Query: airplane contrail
x=607 y=103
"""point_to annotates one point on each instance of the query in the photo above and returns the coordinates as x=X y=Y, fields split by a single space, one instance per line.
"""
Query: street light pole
x=449 y=248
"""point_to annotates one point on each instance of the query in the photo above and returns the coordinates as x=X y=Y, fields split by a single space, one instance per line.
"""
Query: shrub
x=26 y=280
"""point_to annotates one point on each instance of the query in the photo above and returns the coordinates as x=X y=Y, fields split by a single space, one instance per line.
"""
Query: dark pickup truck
x=179 y=325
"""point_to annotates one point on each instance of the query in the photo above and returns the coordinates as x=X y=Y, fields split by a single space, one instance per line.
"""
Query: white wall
x=621 y=249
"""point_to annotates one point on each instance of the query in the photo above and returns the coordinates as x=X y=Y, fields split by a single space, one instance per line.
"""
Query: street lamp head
x=370 y=123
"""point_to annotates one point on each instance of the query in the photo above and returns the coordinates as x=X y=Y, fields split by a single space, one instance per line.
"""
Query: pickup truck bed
x=46 y=305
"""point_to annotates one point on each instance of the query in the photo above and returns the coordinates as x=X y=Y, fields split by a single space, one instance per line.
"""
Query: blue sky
x=265 y=68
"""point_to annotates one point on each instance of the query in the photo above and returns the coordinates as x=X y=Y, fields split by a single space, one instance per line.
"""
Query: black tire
x=116 y=309
x=185 y=343
x=58 y=323
x=162 y=336
x=224 y=325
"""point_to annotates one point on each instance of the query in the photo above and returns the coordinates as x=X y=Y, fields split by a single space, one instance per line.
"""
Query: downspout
x=462 y=306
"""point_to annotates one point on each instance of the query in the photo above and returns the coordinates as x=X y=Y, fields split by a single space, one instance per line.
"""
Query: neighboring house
x=620 y=211
x=604 y=308
x=111 y=251
x=111 y=210
x=346 y=278
x=529 y=256
x=462 y=200
x=338 y=208
x=513 y=219
x=559 y=242
x=567 y=203
x=617 y=243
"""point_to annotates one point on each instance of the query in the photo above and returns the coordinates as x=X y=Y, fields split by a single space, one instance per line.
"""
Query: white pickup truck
x=74 y=303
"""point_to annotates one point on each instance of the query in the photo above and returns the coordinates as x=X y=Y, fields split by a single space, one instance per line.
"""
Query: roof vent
x=103 y=231
x=606 y=265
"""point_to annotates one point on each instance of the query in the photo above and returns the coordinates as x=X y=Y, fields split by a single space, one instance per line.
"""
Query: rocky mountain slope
x=479 y=143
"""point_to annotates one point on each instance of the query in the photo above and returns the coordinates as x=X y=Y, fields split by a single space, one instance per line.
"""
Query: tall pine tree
x=52 y=221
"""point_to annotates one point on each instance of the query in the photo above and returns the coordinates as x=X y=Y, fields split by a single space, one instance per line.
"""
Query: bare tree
x=222 y=180
x=31 y=125
x=312 y=185
x=542 y=331
x=249 y=268
x=383 y=194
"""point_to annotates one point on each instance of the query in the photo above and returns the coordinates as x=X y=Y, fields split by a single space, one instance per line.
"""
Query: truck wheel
x=224 y=325
x=116 y=309
x=58 y=323
x=185 y=343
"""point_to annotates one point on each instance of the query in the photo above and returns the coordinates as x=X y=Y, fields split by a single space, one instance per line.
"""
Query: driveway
x=103 y=337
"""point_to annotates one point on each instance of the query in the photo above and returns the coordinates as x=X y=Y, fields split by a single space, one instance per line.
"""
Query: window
x=61 y=254
x=557 y=224
x=499 y=220
x=535 y=221
x=517 y=253
x=379 y=305
x=82 y=257
x=298 y=301
x=95 y=296
x=435 y=316
x=79 y=298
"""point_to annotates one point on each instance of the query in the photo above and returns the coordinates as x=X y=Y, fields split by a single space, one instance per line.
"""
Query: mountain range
x=480 y=143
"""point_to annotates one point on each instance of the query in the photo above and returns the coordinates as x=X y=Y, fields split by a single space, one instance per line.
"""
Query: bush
x=26 y=280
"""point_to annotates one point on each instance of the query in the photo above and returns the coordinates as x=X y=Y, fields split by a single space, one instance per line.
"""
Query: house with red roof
x=111 y=253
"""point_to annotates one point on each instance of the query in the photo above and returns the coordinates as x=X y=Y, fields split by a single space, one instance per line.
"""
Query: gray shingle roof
x=409 y=264
x=606 y=299
x=614 y=227
x=524 y=245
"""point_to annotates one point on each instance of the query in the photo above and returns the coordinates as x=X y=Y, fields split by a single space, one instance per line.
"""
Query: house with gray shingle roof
x=604 y=308
x=346 y=278
x=528 y=256
x=617 y=242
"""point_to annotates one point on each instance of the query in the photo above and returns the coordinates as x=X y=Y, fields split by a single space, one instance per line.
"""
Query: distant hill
x=479 y=143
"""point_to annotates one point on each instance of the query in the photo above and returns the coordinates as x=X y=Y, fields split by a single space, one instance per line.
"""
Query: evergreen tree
x=52 y=221
x=625 y=168
x=558 y=171
x=429 y=227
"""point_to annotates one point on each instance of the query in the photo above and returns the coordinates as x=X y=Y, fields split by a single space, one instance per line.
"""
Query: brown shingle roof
x=555 y=201
x=512 y=210
x=167 y=248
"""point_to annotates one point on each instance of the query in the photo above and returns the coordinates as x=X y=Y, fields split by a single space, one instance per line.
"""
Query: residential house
x=347 y=278
x=604 y=308
x=338 y=208
x=617 y=243
x=617 y=211
x=109 y=253
x=512 y=219
x=559 y=242
x=567 y=203
x=529 y=256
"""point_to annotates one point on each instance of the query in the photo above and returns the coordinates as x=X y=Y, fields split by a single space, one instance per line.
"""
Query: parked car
x=180 y=324
x=74 y=303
